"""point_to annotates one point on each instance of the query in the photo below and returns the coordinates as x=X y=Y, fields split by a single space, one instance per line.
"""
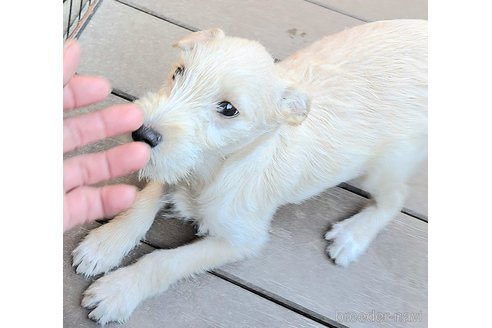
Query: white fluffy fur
x=351 y=105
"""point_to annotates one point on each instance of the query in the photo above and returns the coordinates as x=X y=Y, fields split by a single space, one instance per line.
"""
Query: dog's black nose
x=147 y=135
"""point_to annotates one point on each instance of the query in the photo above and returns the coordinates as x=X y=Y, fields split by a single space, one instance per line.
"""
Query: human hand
x=82 y=202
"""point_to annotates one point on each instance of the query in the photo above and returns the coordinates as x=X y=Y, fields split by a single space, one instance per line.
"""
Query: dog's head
x=222 y=94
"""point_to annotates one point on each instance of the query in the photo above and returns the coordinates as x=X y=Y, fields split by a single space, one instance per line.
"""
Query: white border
x=460 y=164
x=31 y=135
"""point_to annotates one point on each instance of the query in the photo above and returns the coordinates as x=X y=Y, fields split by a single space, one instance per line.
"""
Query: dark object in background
x=76 y=14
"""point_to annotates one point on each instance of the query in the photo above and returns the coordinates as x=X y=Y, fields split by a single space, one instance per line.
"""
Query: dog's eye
x=226 y=109
x=179 y=71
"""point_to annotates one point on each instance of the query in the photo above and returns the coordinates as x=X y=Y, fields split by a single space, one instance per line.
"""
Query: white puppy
x=235 y=136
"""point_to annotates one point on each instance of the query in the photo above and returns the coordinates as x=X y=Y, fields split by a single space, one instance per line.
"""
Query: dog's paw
x=345 y=247
x=112 y=297
x=99 y=252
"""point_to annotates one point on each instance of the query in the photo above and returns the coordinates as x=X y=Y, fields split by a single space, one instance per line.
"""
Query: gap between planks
x=316 y=3
x=263 y=293
x=159 y=16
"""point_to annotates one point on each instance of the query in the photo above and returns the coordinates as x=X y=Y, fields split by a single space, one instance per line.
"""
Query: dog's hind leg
x=386 y=182
x=104 y=247
x=115 y=296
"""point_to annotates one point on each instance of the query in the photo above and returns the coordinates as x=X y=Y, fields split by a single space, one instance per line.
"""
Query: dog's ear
x=189 y=41
x=295 y=105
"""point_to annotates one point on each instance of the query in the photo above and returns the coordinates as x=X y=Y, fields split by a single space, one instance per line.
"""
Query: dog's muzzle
x=147 y=135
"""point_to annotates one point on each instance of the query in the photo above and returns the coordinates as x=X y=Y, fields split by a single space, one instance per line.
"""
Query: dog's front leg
x=351 y=237
x=115 y=296
x=105 y=247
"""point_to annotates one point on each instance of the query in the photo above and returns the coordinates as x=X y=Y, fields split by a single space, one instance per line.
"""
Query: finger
x=86 y=204
x=71 y=58
x=84 y=90
x=93 y=168
x=81 y=130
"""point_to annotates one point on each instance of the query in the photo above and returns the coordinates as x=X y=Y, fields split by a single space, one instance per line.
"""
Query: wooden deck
x=292 y=283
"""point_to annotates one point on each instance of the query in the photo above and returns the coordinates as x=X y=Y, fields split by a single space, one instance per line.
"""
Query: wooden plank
x=373 y=10
x=140 y=44
x=282 y=26
x=130 y=48
x=204 y=301
x=390 y=278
